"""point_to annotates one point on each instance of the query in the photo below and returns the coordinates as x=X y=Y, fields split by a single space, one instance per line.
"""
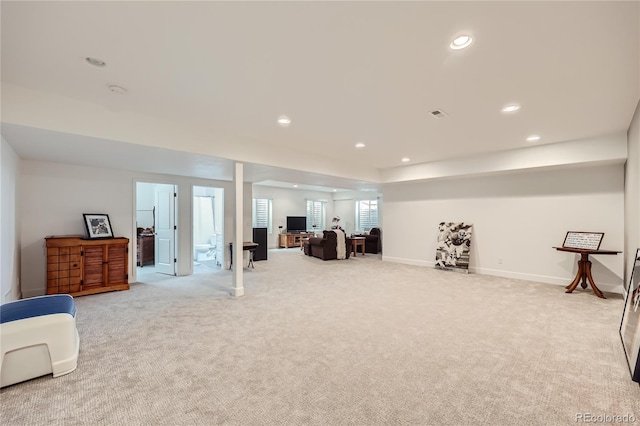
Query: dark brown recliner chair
x=325 y=247
x=373 y=241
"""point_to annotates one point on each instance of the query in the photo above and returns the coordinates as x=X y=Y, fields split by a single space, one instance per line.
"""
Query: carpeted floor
x=354 y=342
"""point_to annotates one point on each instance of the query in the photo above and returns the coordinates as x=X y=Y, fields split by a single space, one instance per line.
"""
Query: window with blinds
x=366 y=215
x=261 y=213
x=316 y=215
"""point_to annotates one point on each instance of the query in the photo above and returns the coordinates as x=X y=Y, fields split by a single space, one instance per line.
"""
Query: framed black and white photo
x=453 y=246
x=98 y=225
x=630 y=325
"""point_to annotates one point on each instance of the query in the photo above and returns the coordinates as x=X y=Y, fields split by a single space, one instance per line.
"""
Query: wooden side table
x=357 y=242
x=584 y=269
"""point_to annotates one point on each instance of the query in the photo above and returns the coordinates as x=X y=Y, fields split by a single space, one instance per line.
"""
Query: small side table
x=357 y=242
x=584 y=269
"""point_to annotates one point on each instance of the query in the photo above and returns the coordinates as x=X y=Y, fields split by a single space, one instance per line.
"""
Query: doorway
x=208 y=229
x=156 y=233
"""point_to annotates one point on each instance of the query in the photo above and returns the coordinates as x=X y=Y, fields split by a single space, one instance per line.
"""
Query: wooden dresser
x=78 y=266
x=146 y=249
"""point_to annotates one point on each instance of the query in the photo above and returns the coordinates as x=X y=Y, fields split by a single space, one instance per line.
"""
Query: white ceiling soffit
x=46 y=145
x=608 y=149
x=211 y=78
x=301 y=187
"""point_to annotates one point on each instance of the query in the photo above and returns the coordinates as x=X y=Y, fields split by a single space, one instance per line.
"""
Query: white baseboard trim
x=31 y=293
x=563 y=281
x=408 y=261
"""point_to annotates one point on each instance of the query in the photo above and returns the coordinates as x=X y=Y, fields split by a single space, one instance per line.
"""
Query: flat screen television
x=296 y=224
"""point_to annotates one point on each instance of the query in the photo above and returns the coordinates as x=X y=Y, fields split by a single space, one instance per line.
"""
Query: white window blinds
x=366 y=215
x=316 y=215
x=261 y=213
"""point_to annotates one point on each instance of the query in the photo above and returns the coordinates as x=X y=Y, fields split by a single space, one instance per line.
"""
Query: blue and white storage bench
x=38 y=336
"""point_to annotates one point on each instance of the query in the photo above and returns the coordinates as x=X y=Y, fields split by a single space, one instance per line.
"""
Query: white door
x=165 y=240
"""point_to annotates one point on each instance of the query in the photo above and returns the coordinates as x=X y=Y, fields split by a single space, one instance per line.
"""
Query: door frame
x=219 y=250
x=134 y=231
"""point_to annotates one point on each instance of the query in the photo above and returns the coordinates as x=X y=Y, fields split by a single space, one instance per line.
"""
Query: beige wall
x=517 y=218
x=53 y=196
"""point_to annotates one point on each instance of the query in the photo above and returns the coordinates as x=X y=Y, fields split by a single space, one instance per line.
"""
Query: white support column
x=238 y=223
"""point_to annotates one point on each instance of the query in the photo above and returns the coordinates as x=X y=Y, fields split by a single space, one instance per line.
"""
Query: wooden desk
x=246 y=245
x=584 y=269
x=357 y=242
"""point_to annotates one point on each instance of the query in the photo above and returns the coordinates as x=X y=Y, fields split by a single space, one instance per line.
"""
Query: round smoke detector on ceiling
x=117 y=89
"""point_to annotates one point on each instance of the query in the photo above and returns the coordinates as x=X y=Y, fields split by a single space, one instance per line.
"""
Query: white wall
x=289 y=202
x=293 y=202
x=145 y=203
x=517 y=217
x=9 y=224
x=632 y=194
x=53 y=196
x=345 y=207
x=346 y=210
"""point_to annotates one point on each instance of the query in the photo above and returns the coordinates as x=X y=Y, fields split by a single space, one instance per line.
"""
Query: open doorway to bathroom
x=208 y=229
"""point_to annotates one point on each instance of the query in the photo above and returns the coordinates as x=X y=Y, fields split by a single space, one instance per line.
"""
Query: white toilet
x=205 y=251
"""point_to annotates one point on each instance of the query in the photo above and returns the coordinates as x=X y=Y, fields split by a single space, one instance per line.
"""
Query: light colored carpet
x=354 y=342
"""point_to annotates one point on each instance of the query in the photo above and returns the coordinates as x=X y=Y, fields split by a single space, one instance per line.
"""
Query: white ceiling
x=220 y=74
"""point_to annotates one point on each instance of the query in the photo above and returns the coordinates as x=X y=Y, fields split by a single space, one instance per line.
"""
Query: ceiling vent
x=438 y=113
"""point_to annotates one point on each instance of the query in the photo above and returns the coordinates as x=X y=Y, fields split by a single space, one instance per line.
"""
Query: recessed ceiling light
x=406 y=160
x=511 y=108
x=295 y=186
x=284 y=121
x=95 y=62
x=533 y=138
x=117 y=89
x=335 y=190
x=461 y=42
x=360 y=145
